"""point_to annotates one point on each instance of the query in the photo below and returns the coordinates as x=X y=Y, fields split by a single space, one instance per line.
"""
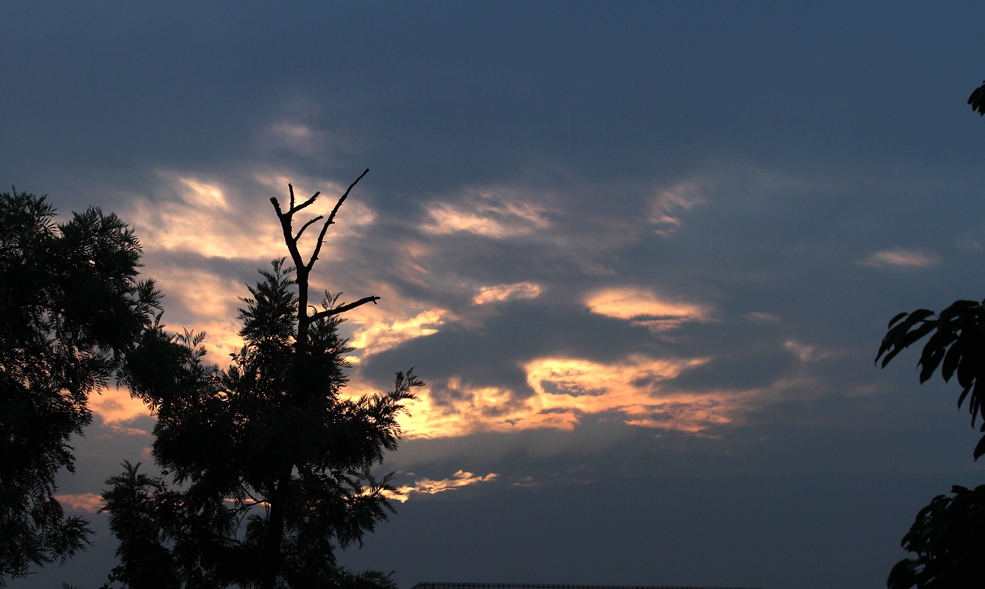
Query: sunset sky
x=642 y=254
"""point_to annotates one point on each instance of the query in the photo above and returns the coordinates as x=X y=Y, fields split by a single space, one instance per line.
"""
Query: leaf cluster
x=956 y=345
x=948 y=538
x=72 y=308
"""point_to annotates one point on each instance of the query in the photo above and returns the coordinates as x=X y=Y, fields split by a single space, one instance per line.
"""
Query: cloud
x=428 y=486
x=202 y=216
x=901 y=258
x=667 y=207
x=87 y=502
x=378 y=336
x=115 y=405
x=294 y=136
x=634 y=390
x=200 y=221
x=506 y=292
x=645 y=308
x=759 y=317
x=806 y=353
x=496 y=213
x=200 y=292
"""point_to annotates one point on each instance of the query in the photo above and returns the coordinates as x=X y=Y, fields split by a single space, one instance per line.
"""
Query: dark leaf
x=896 y=318
x=951 y=360
x=977 y=100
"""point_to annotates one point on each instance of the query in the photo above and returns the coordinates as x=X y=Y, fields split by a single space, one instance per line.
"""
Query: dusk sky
x=643 y=255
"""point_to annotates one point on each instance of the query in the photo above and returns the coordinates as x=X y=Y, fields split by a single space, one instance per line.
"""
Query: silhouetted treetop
x=273 y=465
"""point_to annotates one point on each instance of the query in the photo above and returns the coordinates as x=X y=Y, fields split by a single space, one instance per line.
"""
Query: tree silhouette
x=948 y=536
x=272 y=465
x=71 y=307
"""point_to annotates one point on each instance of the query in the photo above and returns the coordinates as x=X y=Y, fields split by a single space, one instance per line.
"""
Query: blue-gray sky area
x=643 y=255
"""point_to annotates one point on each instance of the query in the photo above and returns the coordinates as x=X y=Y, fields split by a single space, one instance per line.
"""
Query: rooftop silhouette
x=429 y=585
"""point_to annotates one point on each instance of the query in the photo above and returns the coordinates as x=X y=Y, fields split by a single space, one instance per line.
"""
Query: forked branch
x=304 y=270
x=331 y=220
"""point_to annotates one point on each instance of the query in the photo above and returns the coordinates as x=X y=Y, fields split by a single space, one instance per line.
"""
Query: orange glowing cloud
x=87 y=502
x=377 y=336
x=506 y=292
x=198 y=291
x=427 y=486
x=567 y=389
x=207 y=302
x=489 y=213
x=645 y=308
x=633 y=388
x=476 y=409
x=115 y=406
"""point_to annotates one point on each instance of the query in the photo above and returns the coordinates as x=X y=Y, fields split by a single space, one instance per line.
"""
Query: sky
x=642 y=254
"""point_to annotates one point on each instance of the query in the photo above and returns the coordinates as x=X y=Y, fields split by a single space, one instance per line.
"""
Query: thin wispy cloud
x=379 y=336
x=644 y=307
x=668 y=207
x=506 y=292
x=494 y=213
x=426 y=486
x=901 y=258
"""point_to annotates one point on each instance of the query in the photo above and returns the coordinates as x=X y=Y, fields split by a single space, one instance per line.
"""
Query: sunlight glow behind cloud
x=565 y=390
x=87 y=502
x=204 y=221
x=115 y=405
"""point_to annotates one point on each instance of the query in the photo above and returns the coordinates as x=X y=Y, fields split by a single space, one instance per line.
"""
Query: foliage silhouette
x=977 y=100
x=957 y=346
x=948 y=536
x=72 y=307
x=271 y=464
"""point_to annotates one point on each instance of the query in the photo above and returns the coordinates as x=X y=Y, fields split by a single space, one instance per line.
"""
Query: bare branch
x=291 y=188
x=305 y=203
x=306 y=225
x=273 y=200
x=344 y=308
x=285 y=225
x=331 y=220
